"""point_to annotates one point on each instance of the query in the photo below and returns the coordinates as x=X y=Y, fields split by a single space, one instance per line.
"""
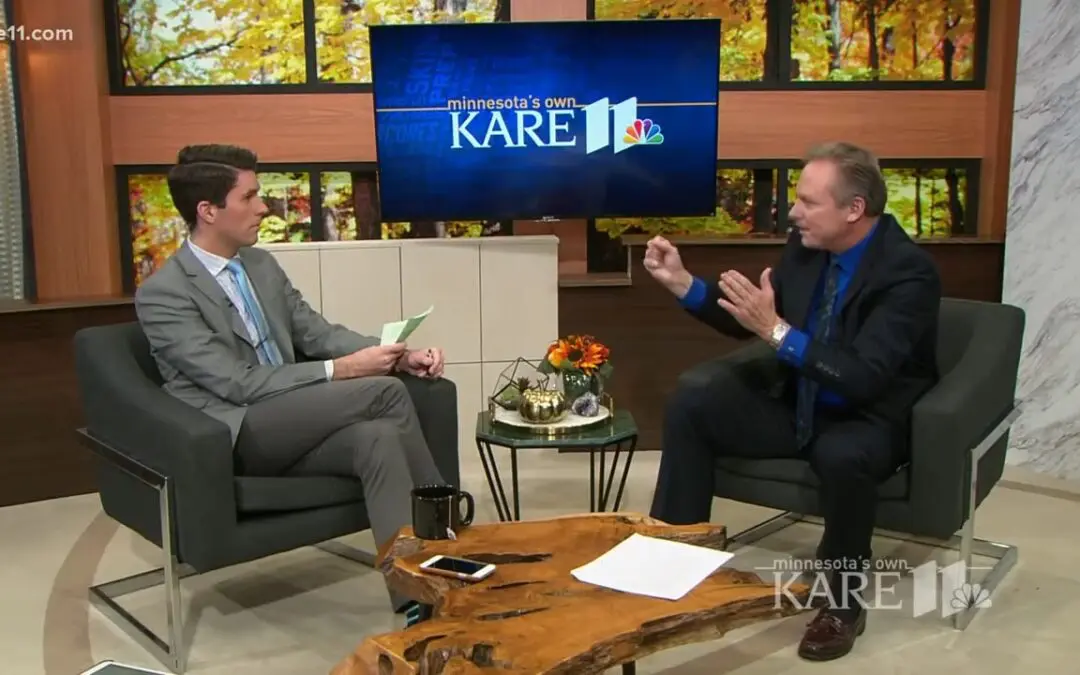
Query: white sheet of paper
x=654 y=567
x=399 y=331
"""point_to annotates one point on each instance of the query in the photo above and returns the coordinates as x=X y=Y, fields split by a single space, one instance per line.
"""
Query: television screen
x=546 y=120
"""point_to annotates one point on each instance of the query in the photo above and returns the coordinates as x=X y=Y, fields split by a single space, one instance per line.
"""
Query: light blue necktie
x=267 y=348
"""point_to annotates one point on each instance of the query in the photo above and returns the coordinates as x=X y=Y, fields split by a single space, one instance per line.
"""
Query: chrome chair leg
x=170 y=651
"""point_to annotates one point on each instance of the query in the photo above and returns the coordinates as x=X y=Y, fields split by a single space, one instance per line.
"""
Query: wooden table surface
x=533 y=617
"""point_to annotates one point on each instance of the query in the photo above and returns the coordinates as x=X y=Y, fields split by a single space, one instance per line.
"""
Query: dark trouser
x=364 y=428
x=725 y=411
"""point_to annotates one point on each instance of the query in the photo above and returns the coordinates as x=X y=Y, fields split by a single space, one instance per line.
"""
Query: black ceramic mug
x=436 y=511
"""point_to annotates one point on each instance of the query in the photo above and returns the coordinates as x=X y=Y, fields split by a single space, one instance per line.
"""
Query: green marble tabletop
x=619 y=427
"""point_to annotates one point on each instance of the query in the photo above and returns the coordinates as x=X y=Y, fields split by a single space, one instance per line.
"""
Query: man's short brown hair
x=206 y=173
x=859 y=174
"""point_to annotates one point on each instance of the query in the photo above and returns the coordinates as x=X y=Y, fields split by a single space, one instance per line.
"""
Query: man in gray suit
x=232 y=337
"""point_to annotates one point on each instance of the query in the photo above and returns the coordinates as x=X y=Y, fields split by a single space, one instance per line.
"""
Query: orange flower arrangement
x=581 y=353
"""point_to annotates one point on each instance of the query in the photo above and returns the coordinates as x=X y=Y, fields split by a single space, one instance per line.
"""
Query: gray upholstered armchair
x=959 y=435
x=167 y=469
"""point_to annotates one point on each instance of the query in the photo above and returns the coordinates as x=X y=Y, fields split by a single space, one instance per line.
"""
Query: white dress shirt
x=216 y=266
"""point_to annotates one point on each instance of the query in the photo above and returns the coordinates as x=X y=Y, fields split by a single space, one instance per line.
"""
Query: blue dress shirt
x=793 y=348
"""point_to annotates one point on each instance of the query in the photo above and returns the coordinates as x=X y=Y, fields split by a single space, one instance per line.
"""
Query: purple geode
x=587 y=405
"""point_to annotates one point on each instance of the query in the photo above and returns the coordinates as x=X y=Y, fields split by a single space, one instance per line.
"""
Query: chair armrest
x=436 y=407
x=961 y=410
x=139 y=420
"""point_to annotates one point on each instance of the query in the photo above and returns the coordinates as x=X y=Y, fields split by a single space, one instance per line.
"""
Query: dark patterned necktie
x=808 y=388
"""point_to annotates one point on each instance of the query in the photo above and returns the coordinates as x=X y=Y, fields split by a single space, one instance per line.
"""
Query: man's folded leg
x=365 y=428
x=279 y=431
x=373 y=452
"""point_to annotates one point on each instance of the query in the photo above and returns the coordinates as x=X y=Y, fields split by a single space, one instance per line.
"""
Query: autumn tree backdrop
x=350 y=211
x=926 y=202
x=157 y=229
x=883 y=40
x=171 y=43
x=232 y=42
x=347 y=210
x=831 y=39
x=735 y=212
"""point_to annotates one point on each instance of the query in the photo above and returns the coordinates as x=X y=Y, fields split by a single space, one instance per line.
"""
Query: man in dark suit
x=851 y=310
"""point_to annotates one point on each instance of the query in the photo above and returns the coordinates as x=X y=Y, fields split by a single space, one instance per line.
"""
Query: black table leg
x=592 y=479
x=514 y=483
x=491 y=470
x=629 y=668
x=606 y=482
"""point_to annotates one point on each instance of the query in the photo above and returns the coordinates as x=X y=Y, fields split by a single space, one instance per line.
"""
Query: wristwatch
x=779 y=332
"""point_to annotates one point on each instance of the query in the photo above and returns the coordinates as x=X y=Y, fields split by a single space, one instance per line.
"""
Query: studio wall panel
x=519 y=290
x=444 y=274
x=303 y=269
x=1041 y=274
x=361 y=286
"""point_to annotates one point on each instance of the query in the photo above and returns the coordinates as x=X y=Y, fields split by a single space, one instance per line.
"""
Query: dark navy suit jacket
x=881 y=355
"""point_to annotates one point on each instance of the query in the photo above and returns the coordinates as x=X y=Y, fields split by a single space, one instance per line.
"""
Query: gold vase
x=542 y=406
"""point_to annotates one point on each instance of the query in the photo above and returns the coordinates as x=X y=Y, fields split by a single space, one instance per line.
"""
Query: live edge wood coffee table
x=533 y=617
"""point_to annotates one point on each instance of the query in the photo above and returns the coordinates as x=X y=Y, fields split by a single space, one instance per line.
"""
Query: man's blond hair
x=859 y=174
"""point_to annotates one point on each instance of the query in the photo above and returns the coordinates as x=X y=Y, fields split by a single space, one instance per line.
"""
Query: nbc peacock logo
x=643 y=132
x=618 y=126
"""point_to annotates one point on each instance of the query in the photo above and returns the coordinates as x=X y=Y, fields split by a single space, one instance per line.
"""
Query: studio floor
x=302 y=611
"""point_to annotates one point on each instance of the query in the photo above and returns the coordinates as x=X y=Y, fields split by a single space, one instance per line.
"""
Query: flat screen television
x=576 y=119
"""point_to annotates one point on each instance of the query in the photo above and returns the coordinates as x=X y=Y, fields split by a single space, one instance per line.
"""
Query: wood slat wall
x=64 y=97
x=755 y=125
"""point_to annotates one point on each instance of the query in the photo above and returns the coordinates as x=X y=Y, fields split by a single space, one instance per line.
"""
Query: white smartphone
x=458 y=568
x=115 y=668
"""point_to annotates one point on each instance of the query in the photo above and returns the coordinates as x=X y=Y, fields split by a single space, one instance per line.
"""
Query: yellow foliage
x=921 y=200
x=157 y=229
x=223 y=42
x=910 y=40
x=734 y=213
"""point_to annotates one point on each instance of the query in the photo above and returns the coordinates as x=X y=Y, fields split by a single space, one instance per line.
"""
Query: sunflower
x=577 y=352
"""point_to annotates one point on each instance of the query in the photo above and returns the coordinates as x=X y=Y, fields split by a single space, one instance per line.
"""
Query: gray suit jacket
x=202 y=347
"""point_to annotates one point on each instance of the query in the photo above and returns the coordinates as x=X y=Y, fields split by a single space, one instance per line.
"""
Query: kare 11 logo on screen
x=520 y=123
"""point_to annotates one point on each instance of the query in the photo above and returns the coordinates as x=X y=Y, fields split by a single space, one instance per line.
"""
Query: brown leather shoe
x=829 y=637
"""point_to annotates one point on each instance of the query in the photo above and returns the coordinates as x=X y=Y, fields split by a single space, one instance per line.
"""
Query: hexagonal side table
x=597 y=440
